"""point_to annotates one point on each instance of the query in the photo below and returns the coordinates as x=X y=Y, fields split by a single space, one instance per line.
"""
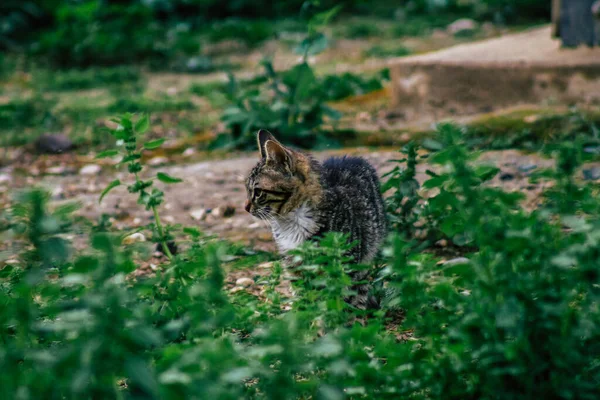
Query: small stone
x=244 y=282
x=462 y=25
x=57 y=170
x=136 y=221
x=507 y=177
x=530 y=119
x=169 y=219
x=254 y=225
x=134 y=238
x=236 y=289
x=198 y=215
x=172 y=91
x=153 y=267
x=363 y=116
x=58 y=193
x=591 y=174
x=4 y=178
x=266 y=265
x=457 y=261
x=53 y=144
x=190 y=151
x=91 y=169
x=527 y=168
x=228 y=211
x=11 y=261
x=157 y=161
x=591 y=149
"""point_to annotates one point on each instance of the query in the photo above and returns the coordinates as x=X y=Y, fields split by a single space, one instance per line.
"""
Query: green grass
x=379 y=51
x=81 y=79
x=526 y=294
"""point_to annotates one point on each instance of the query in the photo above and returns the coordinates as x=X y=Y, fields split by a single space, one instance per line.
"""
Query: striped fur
x=302 y=199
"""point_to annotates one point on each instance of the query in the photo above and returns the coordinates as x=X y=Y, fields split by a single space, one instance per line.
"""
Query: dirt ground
x=212 y=195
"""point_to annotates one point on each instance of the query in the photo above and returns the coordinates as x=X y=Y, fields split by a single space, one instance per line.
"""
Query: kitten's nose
x=247 y=205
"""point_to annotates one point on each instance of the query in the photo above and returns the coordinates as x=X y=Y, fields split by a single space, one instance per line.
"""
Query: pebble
x=456 y=261
x=157 y=161
x=4 y=178
x=134 y=238
x=530 y=119
x=461 y=25
x=527 y=168
x=57 y=170
x=591 y=174
x=244 y=282
x=507 y=177
x=91 y=169
x=228 y=211
x=198 y=215
x=58 y=193
x=53 y=144
x=190 y=151
x=266 y=265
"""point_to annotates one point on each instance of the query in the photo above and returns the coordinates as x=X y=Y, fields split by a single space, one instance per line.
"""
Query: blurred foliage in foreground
x=104 y=32
x=517 y=318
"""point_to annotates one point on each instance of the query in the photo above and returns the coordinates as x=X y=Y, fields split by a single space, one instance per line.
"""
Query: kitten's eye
x=257 y=193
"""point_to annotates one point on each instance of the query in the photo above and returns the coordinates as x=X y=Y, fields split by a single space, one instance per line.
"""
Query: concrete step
x=524 y=68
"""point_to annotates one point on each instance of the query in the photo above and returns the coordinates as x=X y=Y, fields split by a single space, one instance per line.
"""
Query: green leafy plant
x=291 y=103
x=128 y=133
x=515 y=317
x=251 y=32
x=403 y=203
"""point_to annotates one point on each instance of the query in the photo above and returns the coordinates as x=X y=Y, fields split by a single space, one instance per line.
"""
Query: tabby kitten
x=303 y=199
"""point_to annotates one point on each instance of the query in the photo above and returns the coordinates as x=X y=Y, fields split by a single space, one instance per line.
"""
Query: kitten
x=303 y=199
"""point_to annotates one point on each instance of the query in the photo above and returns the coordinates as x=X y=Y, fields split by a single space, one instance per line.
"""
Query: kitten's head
x=281 y=181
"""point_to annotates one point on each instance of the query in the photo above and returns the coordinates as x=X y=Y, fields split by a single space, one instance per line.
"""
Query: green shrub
x=518 y=318
x=292 y=104
x=251 y=32
x=361 y=30
x=337 y=87
x=140 y=103
x=93 y=33
x=384 y=52
x=25 y=112
x=80 y=79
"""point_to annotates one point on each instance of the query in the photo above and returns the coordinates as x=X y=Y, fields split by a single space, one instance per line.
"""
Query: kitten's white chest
x=293 y=229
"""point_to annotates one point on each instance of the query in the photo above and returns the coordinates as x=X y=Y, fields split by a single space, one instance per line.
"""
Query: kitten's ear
x=262 y=137
x=278 y=155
